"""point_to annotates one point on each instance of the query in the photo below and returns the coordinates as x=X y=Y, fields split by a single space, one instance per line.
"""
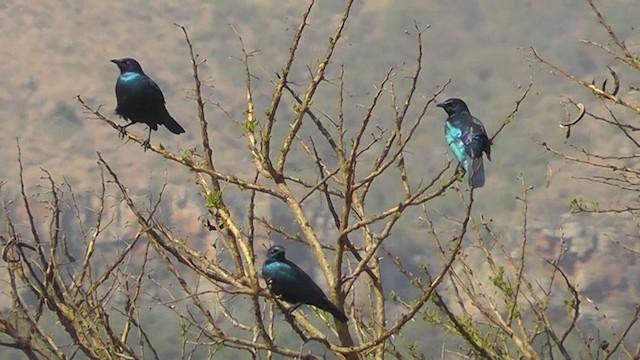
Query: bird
x=467 y=139
x=140 y=100
x=291 y=284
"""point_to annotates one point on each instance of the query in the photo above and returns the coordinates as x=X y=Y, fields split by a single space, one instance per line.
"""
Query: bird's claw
x=122 y=130
x=460 y=172
x=146 y=145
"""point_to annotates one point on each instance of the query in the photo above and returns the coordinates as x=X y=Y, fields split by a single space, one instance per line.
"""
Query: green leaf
x=214 y=200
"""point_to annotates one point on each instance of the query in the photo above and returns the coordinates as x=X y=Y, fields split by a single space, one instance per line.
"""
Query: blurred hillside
x=52 y=51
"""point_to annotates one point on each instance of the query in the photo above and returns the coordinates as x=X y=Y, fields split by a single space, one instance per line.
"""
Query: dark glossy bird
x=140 y=100
x=467 y=139
x=291 y=284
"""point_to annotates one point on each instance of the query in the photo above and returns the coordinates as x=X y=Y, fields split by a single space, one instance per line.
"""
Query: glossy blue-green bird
x=140 y=100
x=291 y=284
x=467 y=139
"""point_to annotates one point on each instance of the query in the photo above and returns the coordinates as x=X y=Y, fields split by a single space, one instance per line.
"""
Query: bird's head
x=453 y=106
x=128 y=65
x=276 y=252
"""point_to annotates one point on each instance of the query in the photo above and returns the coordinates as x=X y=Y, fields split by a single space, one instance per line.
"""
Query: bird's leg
x=122 y=129
x=460 y=171
x=147 y=143
x=288 y=313
x=294 y=307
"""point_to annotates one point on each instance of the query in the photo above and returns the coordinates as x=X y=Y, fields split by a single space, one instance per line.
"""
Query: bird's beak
x=115 y=61
x=438 y=105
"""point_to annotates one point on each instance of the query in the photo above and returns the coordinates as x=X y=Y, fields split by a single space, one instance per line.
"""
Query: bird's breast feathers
x=129 y=76
x=452 y=133
x=280 y=271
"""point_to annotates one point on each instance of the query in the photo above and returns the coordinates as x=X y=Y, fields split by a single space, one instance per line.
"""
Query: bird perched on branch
x=291 y=284
x=140 y=100
x=467 y=139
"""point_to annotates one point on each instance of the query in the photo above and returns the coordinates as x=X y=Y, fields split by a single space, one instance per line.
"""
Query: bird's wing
x=479 y=139
x=154 y=89
x=301 y=275
x=314 y=294
x=477 y=124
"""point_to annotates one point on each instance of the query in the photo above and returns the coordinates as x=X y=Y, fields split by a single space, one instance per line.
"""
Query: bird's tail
x=337 y=313
x=475 y=172
x=172 y=125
